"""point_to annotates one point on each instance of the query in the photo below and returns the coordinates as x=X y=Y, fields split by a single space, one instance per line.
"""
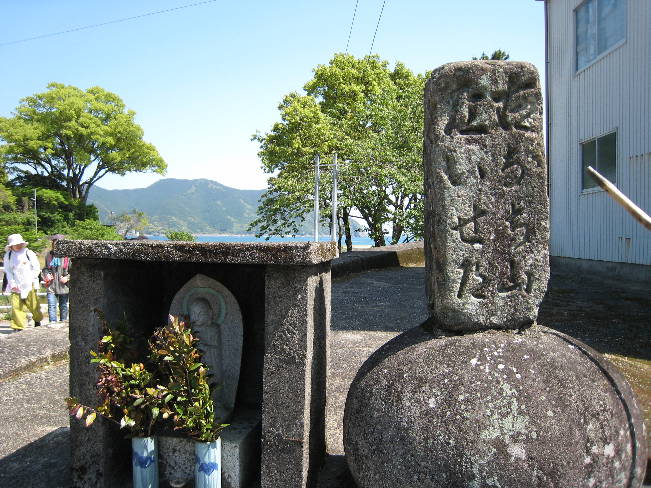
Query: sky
x=205 y=76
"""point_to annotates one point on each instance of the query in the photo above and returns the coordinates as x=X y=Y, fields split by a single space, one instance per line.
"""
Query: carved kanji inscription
x=486 y=223
x=469 y=227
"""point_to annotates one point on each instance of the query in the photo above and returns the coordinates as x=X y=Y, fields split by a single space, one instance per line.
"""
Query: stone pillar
x=297 y=322
x=486 y=219
x=95 y=460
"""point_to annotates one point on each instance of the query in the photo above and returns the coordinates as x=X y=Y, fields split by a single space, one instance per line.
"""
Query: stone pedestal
x=240 y=454
x=283 y=291
x=494 y=408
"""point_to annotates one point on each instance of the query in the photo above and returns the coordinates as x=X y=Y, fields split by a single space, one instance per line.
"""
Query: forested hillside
x=197 y=206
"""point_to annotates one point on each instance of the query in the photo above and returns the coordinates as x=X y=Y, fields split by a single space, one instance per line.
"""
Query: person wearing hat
x=22 y=270
x=56 y=275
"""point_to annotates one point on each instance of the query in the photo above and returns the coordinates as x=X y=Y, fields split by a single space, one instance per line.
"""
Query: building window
x=600 y=25
x=601 y=154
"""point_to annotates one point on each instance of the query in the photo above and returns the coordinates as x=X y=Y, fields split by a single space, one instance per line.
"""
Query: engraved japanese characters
x=487 y=211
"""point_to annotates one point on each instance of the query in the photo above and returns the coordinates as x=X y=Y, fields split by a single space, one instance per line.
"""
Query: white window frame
x=609 y=50
x=597 y=188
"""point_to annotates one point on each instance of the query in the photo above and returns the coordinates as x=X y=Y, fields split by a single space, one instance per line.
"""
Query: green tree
x=498 y=55
x=7 y=199
x=74 y=138
x=91 y=230
x=180 y=236
x=21 y=223
x=288 y=150
x=372 y=117
x=55 y=208
x=134 y=221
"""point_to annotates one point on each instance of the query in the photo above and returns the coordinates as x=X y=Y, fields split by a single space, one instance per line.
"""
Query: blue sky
x=203 y=79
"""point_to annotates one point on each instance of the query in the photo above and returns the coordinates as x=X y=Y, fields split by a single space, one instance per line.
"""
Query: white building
x=598 y=83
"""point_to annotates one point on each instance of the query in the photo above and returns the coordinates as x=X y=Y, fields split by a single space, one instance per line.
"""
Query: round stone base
x=492 y=409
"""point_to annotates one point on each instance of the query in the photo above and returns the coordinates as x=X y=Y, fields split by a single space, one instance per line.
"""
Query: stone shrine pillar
x=283 y=293
x=487 y=212
x=480 y=395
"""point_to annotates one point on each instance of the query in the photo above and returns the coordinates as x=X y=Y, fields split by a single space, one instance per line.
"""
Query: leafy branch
x=172 y=391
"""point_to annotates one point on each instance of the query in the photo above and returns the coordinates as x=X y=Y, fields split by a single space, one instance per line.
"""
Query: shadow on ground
x=610 y=315
x=44 y=463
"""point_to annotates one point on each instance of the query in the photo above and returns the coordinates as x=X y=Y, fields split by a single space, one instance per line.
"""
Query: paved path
x=367 y=310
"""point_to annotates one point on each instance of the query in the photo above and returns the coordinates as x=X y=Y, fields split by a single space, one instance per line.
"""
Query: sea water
x=357 y=241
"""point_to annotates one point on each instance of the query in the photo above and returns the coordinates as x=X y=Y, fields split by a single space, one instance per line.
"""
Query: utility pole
x=35 y=213
x=333 y=231
x=317 y=160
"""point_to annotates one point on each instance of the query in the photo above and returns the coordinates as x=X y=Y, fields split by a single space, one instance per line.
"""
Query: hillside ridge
x=200 y=206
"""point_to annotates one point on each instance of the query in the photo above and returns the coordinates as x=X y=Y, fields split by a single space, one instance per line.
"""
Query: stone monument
x=216 y=320
x=282 y=292
x=480 y=395
x=486 y=186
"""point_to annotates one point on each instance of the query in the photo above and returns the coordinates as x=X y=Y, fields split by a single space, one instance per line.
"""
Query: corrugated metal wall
x=613 y=93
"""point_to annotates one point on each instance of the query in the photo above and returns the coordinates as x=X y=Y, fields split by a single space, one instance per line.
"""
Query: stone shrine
x=282 y=291
x=480 y=395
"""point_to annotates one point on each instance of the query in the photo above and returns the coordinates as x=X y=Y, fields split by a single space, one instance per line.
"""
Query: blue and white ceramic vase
x=208 y=464
x=144 y=459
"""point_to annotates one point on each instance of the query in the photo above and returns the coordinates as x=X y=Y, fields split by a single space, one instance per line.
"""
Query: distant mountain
x=198 y=206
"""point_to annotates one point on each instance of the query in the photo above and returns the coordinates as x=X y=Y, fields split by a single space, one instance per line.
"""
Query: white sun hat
x=14 y=239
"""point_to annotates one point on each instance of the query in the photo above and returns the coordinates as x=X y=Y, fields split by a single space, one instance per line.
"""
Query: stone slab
x=241 y=451
x=287 y=253
x=27 y=349
x=487 y=211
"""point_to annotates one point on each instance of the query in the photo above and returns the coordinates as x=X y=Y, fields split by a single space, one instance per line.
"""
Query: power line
x=76 y=29
x=376 y=27
x=351 y=25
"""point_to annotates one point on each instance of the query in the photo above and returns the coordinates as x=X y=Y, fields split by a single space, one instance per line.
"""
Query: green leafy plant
x=180 y=236
x=129 y=393
x=188 y=401
x=170 y=390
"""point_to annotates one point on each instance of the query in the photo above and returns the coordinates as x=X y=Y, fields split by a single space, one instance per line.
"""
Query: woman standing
x=22 y=270
x=57 y=276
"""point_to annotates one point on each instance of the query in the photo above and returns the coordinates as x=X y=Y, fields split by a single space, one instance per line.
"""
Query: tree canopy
x=372 y=117
x=130 y=222
x=70 y=139
x=498 y=55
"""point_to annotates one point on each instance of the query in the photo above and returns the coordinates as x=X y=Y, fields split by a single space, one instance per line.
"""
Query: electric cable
x=351 y=25
x=52 y=34
x=376 y=27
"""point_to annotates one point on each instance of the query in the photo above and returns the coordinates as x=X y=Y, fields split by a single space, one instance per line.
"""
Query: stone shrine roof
x=282 y=253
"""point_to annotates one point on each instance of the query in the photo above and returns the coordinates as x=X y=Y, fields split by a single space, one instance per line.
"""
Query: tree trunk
x=339 y=236
x=377 y=235
x=396 y=234
x=349 y=239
